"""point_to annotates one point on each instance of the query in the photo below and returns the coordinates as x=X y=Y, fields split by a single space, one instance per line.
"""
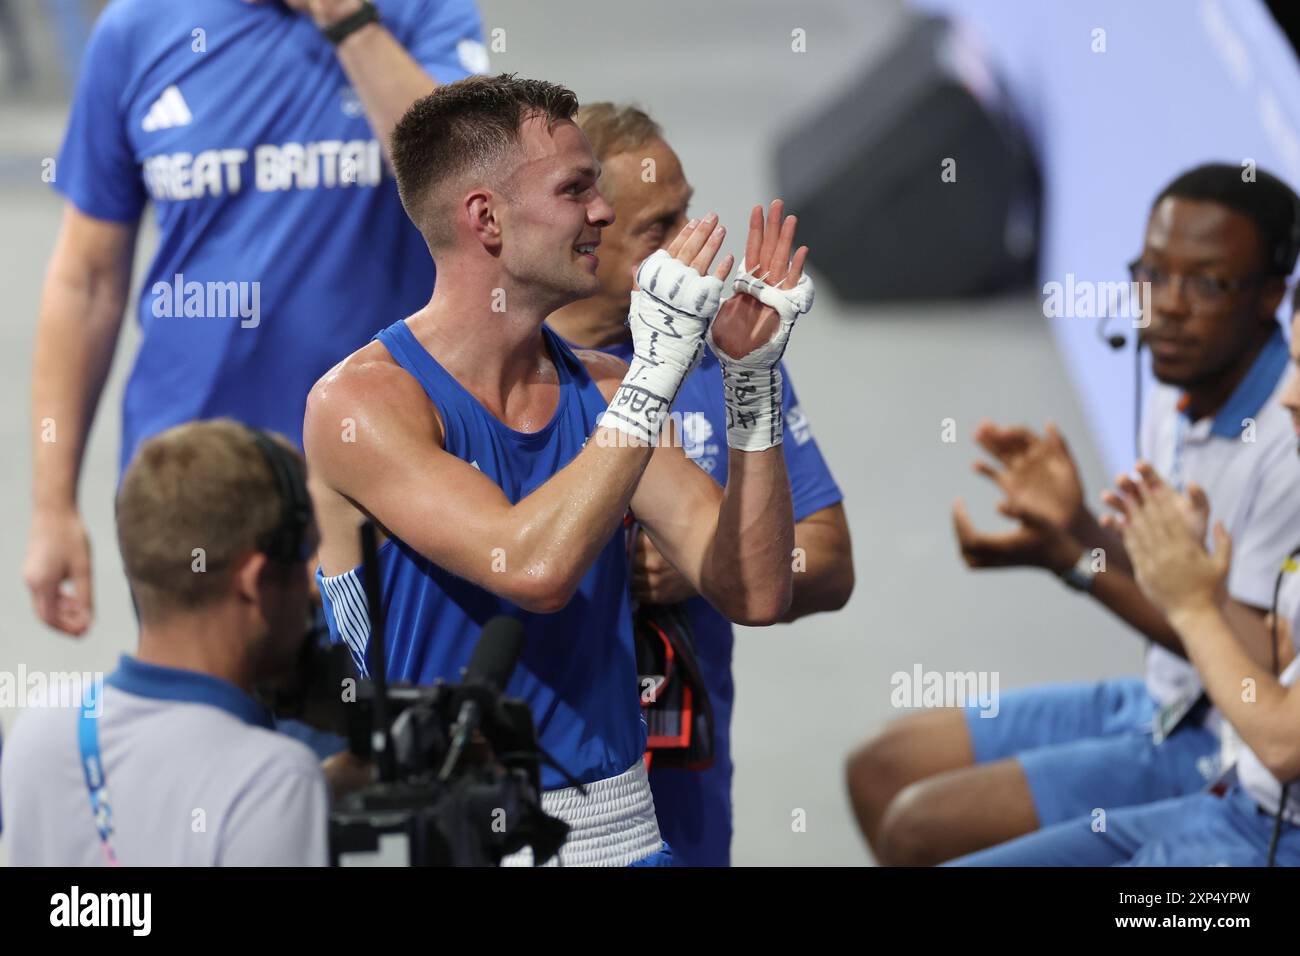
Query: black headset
x=284 y=543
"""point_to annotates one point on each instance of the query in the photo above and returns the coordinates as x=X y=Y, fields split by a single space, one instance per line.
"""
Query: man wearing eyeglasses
x=1218 y=248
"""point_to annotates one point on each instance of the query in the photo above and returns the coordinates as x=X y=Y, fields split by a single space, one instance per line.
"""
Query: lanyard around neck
x=92 y=768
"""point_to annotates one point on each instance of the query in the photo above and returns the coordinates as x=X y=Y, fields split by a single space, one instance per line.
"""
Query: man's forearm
x=1114 y=587
x=747 y=571
x=822 y=564
x=1115 y=590
x=1252 y=633
x=595 y=490
x=1261 y=717
x=76 y=336
x=560 y=528
x=1091 y=536
x=386 y=78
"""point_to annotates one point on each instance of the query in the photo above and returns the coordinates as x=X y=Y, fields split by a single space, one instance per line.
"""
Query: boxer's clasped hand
x=753 y=328
x=674 y=300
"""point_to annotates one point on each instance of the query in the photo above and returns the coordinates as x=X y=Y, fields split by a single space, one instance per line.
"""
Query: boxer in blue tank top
x=499 y=463
x=584 y=649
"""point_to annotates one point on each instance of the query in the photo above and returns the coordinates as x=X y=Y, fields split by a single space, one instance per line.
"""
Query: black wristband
x=336 y=33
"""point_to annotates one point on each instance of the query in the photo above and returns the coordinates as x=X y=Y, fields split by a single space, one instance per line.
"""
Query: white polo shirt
x=194 y=773
x=1245 y=458
x=1253 y=776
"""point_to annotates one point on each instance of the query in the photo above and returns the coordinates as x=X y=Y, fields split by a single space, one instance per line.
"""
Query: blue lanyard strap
x=93 y=769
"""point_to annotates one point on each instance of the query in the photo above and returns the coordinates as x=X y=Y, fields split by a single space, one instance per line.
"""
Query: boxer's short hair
x=465 y=126
x=195 y=500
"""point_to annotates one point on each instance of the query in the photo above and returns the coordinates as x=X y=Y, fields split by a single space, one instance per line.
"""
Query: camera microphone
x=495 y=656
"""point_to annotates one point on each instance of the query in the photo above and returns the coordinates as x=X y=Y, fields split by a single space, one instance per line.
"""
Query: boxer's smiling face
x=554 y=214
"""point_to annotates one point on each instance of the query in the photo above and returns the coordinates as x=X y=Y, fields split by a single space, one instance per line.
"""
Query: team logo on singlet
x=797 y=422
x=696 y=430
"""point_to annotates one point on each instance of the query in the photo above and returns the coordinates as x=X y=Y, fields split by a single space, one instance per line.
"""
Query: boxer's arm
x=536 y=552
x=737 y=552
x=533 y=553
x=822 y=565
x=733 y=545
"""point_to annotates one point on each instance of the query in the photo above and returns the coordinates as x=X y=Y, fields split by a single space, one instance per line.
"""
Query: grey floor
x=877 y=384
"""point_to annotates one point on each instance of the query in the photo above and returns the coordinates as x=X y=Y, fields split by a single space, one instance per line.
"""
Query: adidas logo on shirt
x=168 y=110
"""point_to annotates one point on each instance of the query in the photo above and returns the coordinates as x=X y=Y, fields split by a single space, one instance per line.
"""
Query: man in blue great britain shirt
x=694 y=806
x=258 y=130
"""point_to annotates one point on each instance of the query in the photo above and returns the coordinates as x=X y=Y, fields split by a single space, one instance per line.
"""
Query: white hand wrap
x=788 y=303
x=669 y=317
x=753 y=384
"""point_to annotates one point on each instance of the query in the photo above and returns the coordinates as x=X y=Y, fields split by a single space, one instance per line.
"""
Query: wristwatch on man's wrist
x=1081 y=575
x=336 y=33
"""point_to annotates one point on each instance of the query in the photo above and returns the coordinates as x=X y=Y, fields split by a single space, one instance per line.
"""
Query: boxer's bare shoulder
x=364 y=416
x=362 y=397
x=606 y=370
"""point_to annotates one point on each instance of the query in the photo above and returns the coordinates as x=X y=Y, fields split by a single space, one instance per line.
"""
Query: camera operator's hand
x=346 y=773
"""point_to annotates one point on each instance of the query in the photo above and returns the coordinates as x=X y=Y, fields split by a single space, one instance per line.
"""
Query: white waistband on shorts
x=613 y=825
